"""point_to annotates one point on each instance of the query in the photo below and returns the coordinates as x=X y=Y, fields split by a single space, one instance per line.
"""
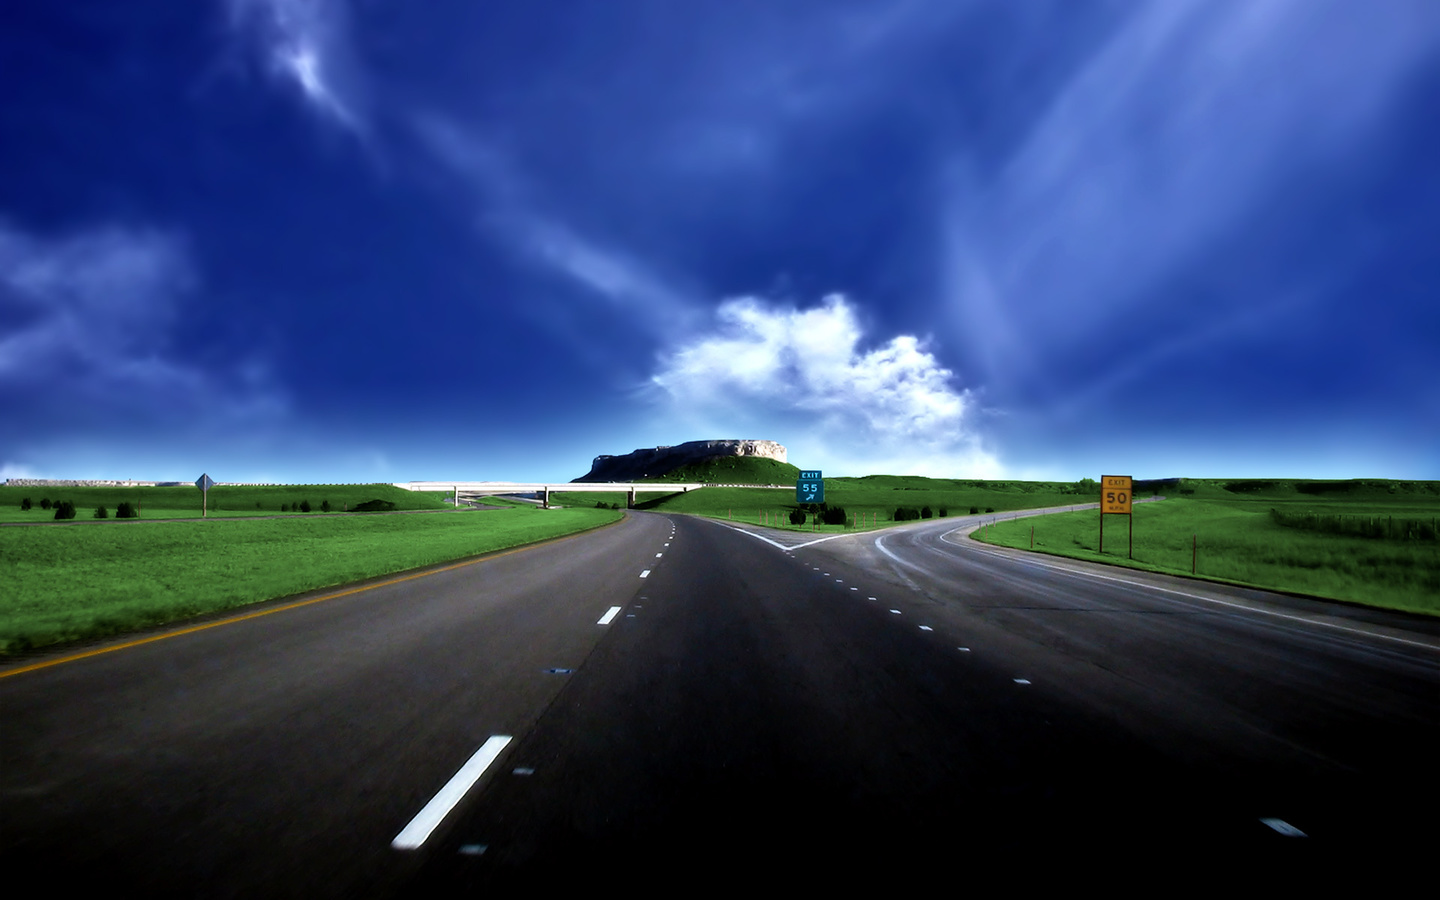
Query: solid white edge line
x=605 y=619
x=1081 y=573
x=425 y=821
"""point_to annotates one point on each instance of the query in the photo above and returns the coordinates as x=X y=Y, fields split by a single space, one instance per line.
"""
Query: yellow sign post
x=1115 y=499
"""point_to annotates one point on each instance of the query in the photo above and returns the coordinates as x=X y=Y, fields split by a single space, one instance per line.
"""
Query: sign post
x=204 y=483
x=810 y=488
x=1115 y=499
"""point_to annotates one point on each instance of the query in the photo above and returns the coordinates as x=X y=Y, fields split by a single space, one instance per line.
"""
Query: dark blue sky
x=314 y=240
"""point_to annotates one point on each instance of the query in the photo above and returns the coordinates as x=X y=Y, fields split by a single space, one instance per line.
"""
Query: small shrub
x=25 y=503
x=944 y=512
x=44 y=503
x=101 y=513
x=926 y=512
x=325 y=506
x=375 y=506
x=906 y=513
x=833 y=515
x=974 y=510
x=64 y=510
x=797 y=516
x=989 y=509
x=284 y=507
x=257 y=504
x=304 y=505
x=126 y=510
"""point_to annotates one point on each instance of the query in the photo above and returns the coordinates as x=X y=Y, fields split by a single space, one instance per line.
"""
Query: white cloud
x=893 y=408
x=307 y=43
x=88 y=322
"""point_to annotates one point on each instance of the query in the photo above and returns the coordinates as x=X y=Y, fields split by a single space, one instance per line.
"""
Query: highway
x=671 y=703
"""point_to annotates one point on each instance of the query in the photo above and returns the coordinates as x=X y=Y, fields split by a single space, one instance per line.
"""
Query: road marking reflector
x=609 y=616
x=1284 y=827
x=426 y=821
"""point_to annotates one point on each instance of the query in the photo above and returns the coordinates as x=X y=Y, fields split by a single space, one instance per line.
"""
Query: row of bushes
x=64 y=509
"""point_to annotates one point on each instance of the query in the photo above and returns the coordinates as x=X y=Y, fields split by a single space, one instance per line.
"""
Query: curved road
x=674 y=702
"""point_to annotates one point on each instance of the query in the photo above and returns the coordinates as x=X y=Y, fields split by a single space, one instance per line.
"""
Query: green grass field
x=873 y=499
x=61 y=584
x=1232 y=535
x=225 y=501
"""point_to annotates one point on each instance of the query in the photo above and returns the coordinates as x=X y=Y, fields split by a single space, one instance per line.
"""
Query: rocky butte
x=650 y=462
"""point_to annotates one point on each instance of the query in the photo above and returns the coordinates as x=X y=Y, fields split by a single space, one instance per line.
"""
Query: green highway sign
x=810 y=488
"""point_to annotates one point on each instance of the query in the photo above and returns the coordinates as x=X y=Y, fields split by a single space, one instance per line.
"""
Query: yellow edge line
x=289 y=606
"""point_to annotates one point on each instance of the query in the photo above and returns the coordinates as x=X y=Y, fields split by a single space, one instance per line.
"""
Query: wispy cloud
x=307 y=43
x=89 y=322
x=1163 y=145
x=807 y=369
x=509 y=211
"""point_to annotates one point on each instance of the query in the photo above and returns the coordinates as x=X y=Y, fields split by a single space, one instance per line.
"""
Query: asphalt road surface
x=680 y=705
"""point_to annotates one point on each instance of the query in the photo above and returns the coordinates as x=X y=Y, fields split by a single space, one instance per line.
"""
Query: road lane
x=869 y=705
x=816 y=715
x=283 y=754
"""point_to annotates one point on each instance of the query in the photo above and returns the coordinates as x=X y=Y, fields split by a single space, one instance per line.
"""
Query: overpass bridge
x=542 y=489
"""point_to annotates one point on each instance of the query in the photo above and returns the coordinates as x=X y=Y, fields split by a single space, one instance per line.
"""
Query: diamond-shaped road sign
x=204 y=482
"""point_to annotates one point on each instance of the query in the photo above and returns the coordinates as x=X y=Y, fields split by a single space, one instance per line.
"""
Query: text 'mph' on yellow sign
x=1115 y=493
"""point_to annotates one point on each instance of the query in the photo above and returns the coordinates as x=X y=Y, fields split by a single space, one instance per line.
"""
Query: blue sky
x=316 y=240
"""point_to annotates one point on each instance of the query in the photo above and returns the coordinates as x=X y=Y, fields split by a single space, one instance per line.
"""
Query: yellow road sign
x=1115 y=493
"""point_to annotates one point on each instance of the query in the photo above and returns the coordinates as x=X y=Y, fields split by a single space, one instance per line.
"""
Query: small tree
x=974 y=510
x=126 y=510
x=25 y=504
x=45 y=503
x=926 y=512
x=284 y=507
x=304 y=505
x=64 y=510
x=101 y=513
x=325 y=506
x=834 y=515
x=944 y=512
x=797 y=516
x=989 y=509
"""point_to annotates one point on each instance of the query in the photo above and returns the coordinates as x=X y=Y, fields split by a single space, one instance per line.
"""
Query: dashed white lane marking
x=425 y=821
x=854 y=589
x=963 y=649
x=926 y=628
x=645 y=574
x=1022 y=681
x=667 y=543
x=473 y=849
x=609 y=616
x=895 y=611
x=658 y=555
x=869 y=598
x=522 y=770
x=1284 y=827
x=838 y=580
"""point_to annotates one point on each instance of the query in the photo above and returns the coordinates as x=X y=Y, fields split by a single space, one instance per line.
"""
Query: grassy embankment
x=68 y=583
x=225 y=501
x=1302 y=547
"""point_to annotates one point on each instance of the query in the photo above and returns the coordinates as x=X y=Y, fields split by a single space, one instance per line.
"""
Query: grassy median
x=67 y=583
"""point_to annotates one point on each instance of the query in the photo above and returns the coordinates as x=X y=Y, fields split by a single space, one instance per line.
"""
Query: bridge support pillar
x=631 y=504
x=546 y=493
